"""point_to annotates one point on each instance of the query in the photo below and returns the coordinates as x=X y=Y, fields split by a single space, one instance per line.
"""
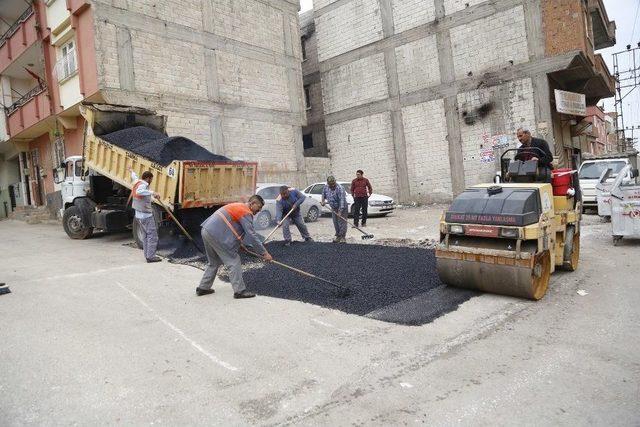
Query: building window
x=307 y=97
x=303 y=43
x=307 y=141
x=67 y=64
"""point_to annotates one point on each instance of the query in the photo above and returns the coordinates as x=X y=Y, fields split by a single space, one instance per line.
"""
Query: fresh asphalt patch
x=390 y=283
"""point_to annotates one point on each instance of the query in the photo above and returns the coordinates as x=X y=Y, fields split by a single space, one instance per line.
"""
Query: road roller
x=507 y=238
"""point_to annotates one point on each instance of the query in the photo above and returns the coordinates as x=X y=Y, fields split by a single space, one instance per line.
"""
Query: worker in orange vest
x=141 y=201
x=223 y=234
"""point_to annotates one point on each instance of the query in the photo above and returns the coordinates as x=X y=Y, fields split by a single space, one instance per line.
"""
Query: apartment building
x=227 y=73
x=424 y=95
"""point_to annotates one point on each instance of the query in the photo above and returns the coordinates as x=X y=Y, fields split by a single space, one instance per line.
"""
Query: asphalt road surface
x=91 y=334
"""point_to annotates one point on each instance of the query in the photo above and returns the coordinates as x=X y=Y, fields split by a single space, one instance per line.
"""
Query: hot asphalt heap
x=392 y=284
x=159 y=147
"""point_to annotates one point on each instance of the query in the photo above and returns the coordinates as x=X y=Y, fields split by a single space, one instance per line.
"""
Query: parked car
x=310 y=209
x=379 y=205
x=589 y=175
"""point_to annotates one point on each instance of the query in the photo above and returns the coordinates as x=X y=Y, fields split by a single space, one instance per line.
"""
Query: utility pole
x=626 y=70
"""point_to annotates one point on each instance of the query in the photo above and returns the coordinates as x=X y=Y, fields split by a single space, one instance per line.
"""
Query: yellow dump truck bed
x=185 y=184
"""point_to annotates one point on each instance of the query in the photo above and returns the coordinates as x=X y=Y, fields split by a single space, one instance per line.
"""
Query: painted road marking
x=178 y=331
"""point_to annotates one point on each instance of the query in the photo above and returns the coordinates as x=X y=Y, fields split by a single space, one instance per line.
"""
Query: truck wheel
x=73 y=224
x=571 y=255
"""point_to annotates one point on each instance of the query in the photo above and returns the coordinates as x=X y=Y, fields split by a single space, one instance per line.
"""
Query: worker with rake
x=288 y=210
x=223 y=234
x=141 y=201
x=336 y=196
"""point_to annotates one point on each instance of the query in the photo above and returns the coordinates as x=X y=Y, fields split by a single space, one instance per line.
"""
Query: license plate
x=481 y=230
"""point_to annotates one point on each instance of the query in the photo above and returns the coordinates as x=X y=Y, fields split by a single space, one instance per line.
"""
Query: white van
x=589 y=175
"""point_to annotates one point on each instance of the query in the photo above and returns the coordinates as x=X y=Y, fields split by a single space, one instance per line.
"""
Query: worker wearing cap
x=288 y=202
x=335 y=195
x=223 y=234
x=141 y=201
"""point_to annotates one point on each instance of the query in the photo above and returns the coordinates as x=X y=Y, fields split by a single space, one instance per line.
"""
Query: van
x=589 y=175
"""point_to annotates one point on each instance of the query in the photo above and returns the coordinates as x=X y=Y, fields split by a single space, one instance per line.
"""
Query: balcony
x=18 y=38
x=604 y=31
x=26 y=116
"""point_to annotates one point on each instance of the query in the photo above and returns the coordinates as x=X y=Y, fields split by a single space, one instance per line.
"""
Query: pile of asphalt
x=392 y=284
x=158 y=147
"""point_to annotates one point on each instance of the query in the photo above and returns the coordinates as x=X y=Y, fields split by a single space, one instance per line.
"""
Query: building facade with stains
x=226 y=73
x=424 y=95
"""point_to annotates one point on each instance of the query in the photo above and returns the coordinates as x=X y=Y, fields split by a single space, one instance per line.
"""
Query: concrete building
x=227 y=73
x=424 y=95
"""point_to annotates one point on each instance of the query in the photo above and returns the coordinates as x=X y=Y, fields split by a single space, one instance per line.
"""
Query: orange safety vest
x=235 y=211
x=135 y=187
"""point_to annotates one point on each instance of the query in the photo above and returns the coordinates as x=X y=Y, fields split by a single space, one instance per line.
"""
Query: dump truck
x=96 y=186
x=508 y=238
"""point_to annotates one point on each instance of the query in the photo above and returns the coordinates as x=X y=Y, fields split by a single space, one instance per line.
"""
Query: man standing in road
x=223 y=234
x=360 y=190
x=141 y=197
x=533 y=149
x=335 y=195
x=290 y=200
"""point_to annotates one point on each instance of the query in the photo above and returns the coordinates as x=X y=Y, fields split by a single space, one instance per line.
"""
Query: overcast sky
x=627 y=17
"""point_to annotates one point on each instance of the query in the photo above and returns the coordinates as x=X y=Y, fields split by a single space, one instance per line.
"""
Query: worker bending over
x=141 y=201
x=223 y=234
x=335 y=195
x=289 y=202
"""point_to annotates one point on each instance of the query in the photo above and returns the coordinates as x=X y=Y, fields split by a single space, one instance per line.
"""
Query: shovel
x=365 y=234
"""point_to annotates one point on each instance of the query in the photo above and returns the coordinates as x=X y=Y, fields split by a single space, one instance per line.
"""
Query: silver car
x=310 y=209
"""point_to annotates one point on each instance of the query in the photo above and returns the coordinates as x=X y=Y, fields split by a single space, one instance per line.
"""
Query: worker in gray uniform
x=223 y=234
x=336 y=196
x=288 y=203
x=141 y=197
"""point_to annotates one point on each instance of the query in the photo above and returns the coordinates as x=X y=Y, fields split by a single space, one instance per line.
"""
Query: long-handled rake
x=365 y=234
x=277 y=226
x=184 y=231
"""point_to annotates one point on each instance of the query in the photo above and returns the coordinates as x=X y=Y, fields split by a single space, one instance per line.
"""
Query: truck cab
x=74 y=183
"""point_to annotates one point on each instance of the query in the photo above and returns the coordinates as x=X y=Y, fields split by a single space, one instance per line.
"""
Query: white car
x=589 y=176
x=310 y=209
x=379 y=205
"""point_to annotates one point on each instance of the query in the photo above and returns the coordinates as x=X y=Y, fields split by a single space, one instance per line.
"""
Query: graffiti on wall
x=493 y=145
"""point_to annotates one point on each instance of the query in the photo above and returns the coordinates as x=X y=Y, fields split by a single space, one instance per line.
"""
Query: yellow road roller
x=508 y=238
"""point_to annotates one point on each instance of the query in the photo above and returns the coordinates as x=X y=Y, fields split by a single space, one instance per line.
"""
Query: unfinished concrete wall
x=313 y=133
x=428 y=92
x=227 y=73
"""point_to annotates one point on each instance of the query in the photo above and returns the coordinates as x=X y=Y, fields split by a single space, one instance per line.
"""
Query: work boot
x=200 y=291
x=364 y=224
x=342 y=240
x=154 y=259
x=355 y=224
x=243 y=294
x=287 y=243
x=308 y=239
x=336 y=239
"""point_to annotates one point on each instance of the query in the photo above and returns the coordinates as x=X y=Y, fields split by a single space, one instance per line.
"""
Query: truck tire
x=74 y=225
